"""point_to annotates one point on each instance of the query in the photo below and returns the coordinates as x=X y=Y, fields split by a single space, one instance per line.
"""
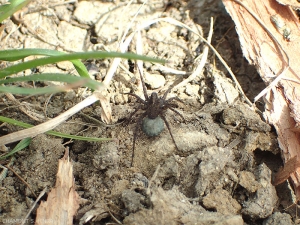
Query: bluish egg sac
x=153 y=127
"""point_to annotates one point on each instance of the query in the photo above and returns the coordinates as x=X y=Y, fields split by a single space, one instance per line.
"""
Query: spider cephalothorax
x=153 y=119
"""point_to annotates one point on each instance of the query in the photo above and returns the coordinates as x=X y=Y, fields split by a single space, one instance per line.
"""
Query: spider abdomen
x=153 y=127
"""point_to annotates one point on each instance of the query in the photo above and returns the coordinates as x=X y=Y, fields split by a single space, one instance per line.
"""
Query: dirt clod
x=133 y=201
x=247 y=180
x=262 y=204
x=222 y=202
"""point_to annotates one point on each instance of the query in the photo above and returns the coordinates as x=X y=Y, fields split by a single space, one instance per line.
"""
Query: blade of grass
x=54 y=133
x=60 y=77
x=50 y=124
x=9 y=9
x=39 y=91
x=81 y=55
x=17 y=54
x=20 y=146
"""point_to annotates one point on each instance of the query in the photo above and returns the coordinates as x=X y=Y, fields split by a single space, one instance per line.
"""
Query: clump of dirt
x=222 y=170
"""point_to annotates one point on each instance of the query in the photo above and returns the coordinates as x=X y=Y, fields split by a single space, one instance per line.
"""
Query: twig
x=114 y=218
x=171 y=70
x=33 y=206
x=124 y=43
x=173 y=21
x=152 y=179
x=139 y=50
x=98 y=123
x=202 y=61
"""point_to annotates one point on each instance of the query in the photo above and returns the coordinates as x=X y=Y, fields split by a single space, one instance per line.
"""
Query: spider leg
x=138 y=124
x=168 y=126
x=167 y=92
x=137 y=97
x=134 y=112
x=175 y=111
x=174 y=98
x=144 y=86
x=170 y=88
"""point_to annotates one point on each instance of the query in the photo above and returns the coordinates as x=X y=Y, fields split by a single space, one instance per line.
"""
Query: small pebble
x=155 y=80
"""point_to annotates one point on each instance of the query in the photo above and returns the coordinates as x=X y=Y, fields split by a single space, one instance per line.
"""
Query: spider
x=153 y=118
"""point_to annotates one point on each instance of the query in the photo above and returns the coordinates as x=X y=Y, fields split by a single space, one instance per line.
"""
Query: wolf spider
x=153 y=119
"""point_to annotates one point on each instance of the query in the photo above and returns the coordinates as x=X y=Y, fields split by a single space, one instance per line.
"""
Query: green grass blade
x=20 y=146
x=17 y=54
x=72 y=56
x=33 y=91
x=60 y=77
x=8 y=9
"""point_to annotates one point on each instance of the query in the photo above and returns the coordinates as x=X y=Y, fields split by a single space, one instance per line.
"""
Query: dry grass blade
x=124 y=43
x=203 y=60
x=33 y=205
x=177 y=23
x=49 y=125
x=139 y=50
